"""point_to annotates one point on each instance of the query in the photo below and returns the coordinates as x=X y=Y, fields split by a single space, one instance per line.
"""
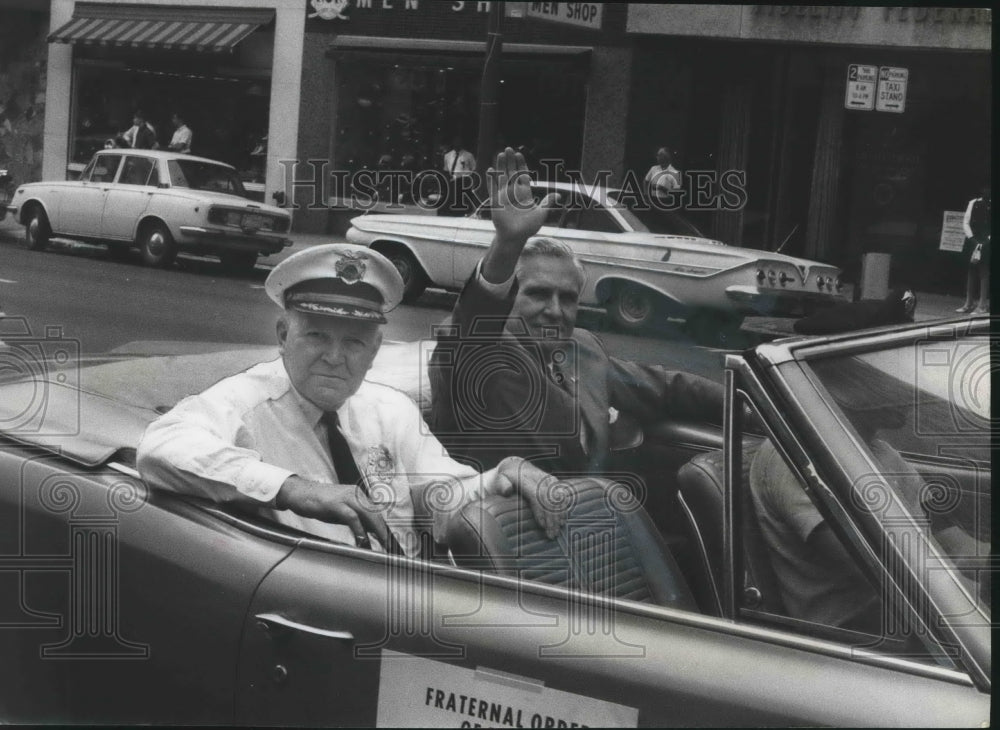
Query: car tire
x=414 y=278
x=37 y=231
x=632 y=307
x=713 y=328
x=239 y=262
x=157 y=246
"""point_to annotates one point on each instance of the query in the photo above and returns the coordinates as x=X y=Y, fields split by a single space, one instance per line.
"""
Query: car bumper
x=777 y=302
x=215 y=240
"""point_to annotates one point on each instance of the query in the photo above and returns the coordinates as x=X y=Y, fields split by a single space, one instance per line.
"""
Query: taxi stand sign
x=891 y=89
x=583 y=15
x=862 y=94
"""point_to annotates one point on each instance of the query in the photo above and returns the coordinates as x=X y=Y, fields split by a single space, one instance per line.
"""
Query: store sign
x=328 y=9
x=891 y=96
x=861 y=82
x=418 y=692
x=584 y=15
x=952 y=231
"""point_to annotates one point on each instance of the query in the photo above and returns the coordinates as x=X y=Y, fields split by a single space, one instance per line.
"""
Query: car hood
x=96 y=409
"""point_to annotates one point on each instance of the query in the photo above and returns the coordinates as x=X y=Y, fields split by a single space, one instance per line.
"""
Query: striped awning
x=160 y=26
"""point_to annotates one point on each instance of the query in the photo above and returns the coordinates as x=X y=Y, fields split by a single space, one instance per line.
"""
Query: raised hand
x=515 y=214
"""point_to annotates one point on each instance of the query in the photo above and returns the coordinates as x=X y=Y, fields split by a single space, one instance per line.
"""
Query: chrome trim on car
x=796 y=348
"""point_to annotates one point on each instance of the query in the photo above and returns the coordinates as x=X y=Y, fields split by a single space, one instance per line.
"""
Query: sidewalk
x=929 y=306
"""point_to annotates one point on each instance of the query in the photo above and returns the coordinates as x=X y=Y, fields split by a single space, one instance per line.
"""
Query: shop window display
x=228 y=116
x=404 y=116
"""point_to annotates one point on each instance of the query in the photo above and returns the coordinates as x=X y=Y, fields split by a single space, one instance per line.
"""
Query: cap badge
x=351 y=267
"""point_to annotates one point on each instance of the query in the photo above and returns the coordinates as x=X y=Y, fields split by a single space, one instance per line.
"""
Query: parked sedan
x=123 y=604
x=637 y=274
x=159 y=202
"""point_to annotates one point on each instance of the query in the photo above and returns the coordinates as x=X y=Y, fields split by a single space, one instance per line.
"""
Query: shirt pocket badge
x=380 y=463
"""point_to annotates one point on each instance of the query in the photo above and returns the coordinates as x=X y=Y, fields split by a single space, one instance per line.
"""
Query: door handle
x=275 y=624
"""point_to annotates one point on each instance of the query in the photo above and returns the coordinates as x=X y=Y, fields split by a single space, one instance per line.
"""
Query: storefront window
x=228 y=115
x=405 y=115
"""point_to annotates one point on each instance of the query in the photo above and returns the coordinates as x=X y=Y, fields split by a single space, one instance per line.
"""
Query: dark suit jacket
x=495 y=395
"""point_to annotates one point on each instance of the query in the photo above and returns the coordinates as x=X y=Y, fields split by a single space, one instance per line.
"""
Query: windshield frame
x=922 y=573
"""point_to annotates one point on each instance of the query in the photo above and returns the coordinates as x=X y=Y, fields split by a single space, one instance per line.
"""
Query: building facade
x=398 y=81
x=232 y=70
x=833 y=169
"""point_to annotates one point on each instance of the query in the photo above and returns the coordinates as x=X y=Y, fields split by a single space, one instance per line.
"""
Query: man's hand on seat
x=343 y=504
x=547 y=496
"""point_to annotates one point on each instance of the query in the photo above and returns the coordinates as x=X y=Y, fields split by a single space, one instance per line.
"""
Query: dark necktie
x=347 y=469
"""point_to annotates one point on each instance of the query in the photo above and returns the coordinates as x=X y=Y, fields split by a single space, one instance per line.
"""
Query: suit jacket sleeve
x=478 y=313
x=651 y=392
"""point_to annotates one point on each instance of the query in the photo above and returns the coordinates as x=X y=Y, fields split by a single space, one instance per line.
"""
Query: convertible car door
x=337 y=636
x=117 y=605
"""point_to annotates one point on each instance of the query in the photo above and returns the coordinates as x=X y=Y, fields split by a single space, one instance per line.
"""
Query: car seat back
x=701 y=493
x=608 y=546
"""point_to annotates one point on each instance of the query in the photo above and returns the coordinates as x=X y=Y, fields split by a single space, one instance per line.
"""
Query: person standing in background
x=977 y=252
x=662 y=177
x=181 y=141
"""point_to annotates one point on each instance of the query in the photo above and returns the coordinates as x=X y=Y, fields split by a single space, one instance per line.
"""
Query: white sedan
x=160 y=202
x=636 y=274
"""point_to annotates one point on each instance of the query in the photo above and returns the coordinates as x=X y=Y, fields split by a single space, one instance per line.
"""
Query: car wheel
x=715 y=329
x=239 y=262
x=632 y=307
x=157 y=246
x=37 y=231
x=414 y=278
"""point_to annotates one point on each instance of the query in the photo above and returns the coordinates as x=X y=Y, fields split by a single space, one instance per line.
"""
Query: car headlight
x=771 y=276
x=785 y=278
x=760 y=276
x=820 y=281
x=838 y=284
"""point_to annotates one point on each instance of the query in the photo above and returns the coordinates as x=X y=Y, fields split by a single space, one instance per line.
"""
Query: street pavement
x=929 y=306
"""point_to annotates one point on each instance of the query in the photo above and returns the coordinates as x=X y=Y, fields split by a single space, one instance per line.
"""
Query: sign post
x=891 y=89
x=860 y=92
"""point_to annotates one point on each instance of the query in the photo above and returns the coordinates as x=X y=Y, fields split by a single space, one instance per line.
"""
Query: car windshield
x=645 y=219
x=199 y=175
x=923 y=411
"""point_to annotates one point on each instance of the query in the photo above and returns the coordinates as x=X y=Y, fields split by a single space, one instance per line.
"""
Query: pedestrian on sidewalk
x=977 y=252
x=181 y=141
x=662 y=178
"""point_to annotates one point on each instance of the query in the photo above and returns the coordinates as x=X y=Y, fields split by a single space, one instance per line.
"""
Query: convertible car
x=123 y=604
x=637 y=274
x=157 y=201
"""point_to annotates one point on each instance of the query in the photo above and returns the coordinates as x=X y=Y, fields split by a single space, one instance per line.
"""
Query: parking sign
x=860 y=92
x=891 y=95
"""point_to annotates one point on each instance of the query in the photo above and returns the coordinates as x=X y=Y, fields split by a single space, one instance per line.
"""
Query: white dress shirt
x=243 y=437
x=181 y=141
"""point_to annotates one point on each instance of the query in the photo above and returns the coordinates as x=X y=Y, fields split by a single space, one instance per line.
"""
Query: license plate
x=253 y=222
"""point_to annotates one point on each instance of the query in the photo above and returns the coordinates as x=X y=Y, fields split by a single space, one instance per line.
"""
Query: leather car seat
x=701 y=493
x=604 y=548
